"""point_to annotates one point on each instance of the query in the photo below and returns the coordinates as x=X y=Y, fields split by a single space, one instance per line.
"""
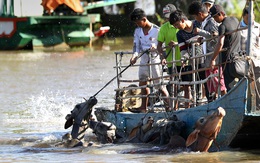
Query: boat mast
x=250 y=25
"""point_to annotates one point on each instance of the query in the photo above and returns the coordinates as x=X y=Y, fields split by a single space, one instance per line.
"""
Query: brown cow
x=206 y=130
x=137 y=133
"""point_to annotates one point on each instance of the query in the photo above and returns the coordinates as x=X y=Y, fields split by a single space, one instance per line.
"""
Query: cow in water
x=105 y=131
x=206 y=131
x=159 y=131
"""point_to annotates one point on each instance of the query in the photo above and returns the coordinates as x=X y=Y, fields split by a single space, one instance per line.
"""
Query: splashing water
x=43 y=112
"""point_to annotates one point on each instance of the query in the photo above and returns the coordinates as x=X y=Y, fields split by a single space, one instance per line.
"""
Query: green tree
x=257 y=10
x=235 y=7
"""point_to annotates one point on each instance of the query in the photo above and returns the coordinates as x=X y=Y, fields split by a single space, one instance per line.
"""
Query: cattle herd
x=167 y=133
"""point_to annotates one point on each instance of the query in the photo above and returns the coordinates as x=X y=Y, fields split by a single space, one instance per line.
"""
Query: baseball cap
x=168 y=9
x=208 y=1
x=215 y=9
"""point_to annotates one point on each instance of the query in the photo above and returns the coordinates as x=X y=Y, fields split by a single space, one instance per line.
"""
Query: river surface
x=39 y=88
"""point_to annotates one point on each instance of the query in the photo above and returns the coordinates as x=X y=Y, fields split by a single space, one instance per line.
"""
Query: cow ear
x=192 y=137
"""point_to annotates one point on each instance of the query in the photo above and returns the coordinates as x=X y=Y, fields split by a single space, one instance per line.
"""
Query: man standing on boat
x=255 y=50
x=145 y=37
x=167 y=36
x=225 y=40
x=179 y=20
x=208 y=27
x=255 y=37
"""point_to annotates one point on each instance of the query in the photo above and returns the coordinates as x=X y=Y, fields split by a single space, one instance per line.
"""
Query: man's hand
x=200 y=40
x=164 y=61
x=213 y=64
x=133 y=60
x=172 y=43
x=196 y=30
x=153 y=48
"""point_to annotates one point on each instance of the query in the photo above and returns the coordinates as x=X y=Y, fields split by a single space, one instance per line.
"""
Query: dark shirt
x=232 y=41
x=183 y=36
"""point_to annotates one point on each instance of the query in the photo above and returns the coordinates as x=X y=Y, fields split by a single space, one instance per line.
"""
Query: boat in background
x=61 y=24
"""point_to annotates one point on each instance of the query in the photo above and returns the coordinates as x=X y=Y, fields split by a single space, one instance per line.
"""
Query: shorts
x=212 y=83
x=187 y=77
x=156 y=71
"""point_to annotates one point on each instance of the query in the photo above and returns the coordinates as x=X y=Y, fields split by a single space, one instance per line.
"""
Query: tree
x=235 y=7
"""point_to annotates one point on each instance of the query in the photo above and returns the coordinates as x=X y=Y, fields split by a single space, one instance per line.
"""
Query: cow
x=137 y=133
x=206 y=131
x=105 y=131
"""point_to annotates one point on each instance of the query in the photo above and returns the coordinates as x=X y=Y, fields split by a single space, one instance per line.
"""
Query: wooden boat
x=240 y=128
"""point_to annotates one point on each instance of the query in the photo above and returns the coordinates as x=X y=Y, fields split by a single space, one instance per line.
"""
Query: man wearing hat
x=208 y=3
x=229 y=41
x=208 y=27
x=167 y=36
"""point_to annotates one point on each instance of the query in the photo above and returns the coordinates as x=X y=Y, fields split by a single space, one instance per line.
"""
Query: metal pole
x=193 y=74
x=117 y=70
x=250 y=25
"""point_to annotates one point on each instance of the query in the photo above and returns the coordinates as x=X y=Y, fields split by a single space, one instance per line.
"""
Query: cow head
x=206 y=130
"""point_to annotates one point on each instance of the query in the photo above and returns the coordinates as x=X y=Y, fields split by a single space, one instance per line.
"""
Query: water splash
x=40 y=113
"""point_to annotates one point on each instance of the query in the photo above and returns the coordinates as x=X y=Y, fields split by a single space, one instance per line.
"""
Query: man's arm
x=160 y=49
x=136 y=47
x=217 y=50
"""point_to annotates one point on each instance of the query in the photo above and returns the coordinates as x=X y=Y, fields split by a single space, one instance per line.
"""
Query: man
x=229 y=41
x=179 y=20
x=208 y=28
x=208 y=3
x=167 y=36
x=255 y=49
x=255 y=35
x=145 y=37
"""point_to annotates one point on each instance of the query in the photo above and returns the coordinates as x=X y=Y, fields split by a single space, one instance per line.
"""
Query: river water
x=39 y=88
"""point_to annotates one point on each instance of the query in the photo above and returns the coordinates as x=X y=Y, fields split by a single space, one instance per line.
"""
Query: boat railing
x=167 y=79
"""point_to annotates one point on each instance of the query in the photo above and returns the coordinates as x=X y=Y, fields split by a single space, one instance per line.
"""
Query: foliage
x=235 y=7
x=257 y=11
x=232 y=7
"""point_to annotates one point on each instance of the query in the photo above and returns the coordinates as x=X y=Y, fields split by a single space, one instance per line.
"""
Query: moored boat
x=61 y=23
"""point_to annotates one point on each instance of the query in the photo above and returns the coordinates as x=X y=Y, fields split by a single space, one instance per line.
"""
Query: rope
x=178 y=89
x=253 y=77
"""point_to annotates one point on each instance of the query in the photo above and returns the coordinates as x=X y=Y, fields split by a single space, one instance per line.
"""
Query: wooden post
x=90 y=33
x=91 y=21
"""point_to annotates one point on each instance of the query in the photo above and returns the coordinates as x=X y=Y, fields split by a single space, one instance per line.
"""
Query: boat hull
x=46 y=31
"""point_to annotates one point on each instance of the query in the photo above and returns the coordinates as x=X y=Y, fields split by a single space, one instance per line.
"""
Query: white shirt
x=143 y=42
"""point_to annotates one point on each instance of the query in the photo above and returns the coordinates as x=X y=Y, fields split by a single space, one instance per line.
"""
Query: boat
x=240 y=127
x=58 y=24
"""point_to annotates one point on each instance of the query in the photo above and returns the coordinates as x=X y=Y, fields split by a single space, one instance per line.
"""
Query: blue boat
x=240 y=127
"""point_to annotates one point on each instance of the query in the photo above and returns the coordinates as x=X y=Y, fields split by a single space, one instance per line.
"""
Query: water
x=38 y=89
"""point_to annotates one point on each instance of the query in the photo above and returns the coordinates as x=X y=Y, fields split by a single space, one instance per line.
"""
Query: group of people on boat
x=215 y=39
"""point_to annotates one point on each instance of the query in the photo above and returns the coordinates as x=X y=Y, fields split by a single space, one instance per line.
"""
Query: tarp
x=51 y=5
